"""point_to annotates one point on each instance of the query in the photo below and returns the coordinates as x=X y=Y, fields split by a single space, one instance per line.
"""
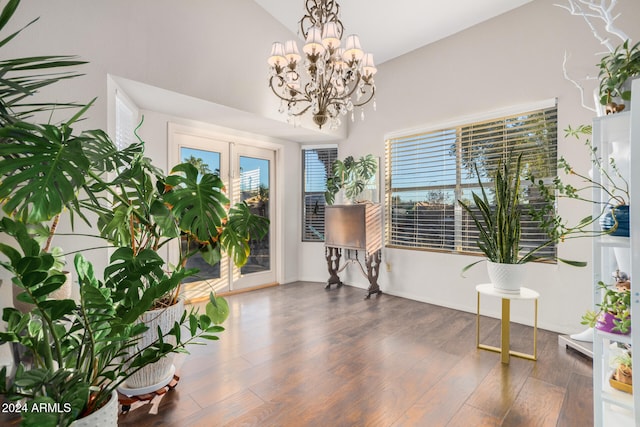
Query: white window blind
x=126 y=118
x=427 y=173
x=316 y=164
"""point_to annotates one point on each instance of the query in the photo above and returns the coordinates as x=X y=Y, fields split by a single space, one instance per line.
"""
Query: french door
x=247 y=173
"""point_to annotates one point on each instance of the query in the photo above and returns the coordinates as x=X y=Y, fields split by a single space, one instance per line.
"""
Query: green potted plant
x=622 y=377
x=499 y=224
x=350 y=176
x=614 y=312
x=77 y=354
x=616 y=71
x=614 y=211
x=146 y=211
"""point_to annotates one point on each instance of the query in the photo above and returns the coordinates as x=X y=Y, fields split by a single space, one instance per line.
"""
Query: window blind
x=125 y=123
x=427 y=173
x=316 y=163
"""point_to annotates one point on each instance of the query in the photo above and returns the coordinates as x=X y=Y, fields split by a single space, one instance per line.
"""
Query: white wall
x=513 y=59
x=209 y=49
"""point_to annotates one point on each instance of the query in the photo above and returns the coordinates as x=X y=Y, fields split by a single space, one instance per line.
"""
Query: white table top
x=525 y=293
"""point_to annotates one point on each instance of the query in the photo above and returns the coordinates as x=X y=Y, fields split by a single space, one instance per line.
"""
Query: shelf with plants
x=616 y=137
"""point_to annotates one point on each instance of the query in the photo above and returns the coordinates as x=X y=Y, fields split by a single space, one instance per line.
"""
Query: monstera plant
x=79 y=352
x=350 y=175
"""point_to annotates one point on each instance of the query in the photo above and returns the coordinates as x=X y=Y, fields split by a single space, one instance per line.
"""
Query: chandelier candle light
x=335 y=75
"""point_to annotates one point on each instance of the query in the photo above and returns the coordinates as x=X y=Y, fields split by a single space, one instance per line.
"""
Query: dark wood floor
x=299 y=355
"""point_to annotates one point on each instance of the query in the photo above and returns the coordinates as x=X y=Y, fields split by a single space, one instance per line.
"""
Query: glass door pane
x=254 y=190
x=248 y=175
x=254 y=186
x=205 y=162
x=208 y=156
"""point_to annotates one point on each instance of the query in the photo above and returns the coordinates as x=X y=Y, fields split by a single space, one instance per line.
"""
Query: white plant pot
x=63 y=292
x=341 y=199
x=506 y=277
x=623 y=257
x=107 y=416
x=156 y=375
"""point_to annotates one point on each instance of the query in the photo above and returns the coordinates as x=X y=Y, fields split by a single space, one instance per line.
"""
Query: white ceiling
x=387 y=28
x=390 y=28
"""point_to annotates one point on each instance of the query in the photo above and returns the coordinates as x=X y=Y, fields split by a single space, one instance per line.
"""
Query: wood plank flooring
x=300 y=355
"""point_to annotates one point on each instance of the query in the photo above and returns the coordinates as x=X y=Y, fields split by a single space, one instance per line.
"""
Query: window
x=126 y=115
x=427 y=173
x=316 y=165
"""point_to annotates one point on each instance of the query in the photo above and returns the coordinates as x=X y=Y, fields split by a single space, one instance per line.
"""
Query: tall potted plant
x=134 y=281
x=80 y=353
x=145 y=212
x=499 y=224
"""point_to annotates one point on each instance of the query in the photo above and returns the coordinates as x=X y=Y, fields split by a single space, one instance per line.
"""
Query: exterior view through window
x=316 y=165
x=427 y=173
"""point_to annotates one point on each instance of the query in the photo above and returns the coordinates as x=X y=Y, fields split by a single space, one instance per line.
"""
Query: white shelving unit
x=613 y=408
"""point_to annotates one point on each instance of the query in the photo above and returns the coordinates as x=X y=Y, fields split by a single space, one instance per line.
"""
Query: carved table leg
x=373 y=268
x=333 y=256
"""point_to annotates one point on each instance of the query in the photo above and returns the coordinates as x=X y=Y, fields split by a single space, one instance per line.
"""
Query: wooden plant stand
x=127 y=401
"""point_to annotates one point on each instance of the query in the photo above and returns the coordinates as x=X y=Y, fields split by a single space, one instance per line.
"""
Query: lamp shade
x=277 y=54
x=368 y=67
x=313 y=43
x=352 y=48
x=330 y=35
x=291 y=51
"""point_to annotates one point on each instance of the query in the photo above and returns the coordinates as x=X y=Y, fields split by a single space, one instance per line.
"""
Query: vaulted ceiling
x=392 y=28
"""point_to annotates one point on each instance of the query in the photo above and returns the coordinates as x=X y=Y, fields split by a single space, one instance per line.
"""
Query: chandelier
x=337 y=79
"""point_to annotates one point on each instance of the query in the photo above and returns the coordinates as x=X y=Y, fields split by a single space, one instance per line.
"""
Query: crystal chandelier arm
x=299 y=113
x=307 y=21
x=339 y=99
x=291 y=101
x=319 y=14
x=283 y=84
x=371 y=95
x=332 y=9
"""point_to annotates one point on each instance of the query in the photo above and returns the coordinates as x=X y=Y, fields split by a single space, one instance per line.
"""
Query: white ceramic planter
x=159 y=374
x=506 y=277
x=107 y=416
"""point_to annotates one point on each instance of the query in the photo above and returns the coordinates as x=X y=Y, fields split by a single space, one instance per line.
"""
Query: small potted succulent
x=614 y=312
x=622 y=377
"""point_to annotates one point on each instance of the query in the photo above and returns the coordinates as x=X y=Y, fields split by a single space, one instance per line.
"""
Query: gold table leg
x=504 y=323
x=504 y=349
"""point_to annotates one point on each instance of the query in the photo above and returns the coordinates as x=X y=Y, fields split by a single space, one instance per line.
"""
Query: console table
x=504 y=349
x=351 y=230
